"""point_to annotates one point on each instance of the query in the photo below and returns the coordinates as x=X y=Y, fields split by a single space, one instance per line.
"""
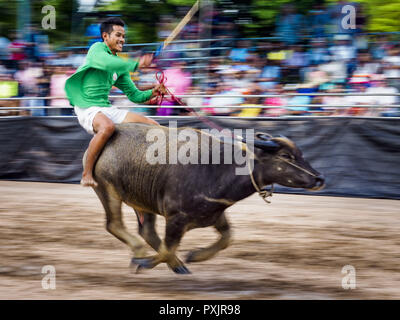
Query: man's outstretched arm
x=125 y=84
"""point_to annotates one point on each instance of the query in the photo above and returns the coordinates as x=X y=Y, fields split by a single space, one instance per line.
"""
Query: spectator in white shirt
x=359 y=85
x=379 y=86
x=343 y=50
x=366 y=67
x=391 y=66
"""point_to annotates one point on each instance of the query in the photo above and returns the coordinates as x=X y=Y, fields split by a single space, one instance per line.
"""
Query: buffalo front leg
x=114 y=223
x=222 y=226
x=174 y=231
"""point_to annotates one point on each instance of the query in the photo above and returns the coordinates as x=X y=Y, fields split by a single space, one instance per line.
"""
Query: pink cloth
x=177 y=82
x=275 y=101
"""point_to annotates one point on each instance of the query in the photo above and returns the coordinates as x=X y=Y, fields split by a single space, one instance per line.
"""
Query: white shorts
x=86 y=115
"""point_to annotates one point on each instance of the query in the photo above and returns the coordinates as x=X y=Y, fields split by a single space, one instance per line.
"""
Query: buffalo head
x=282 y=162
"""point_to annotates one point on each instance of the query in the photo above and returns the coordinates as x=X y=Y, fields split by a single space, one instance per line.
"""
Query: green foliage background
x=142 y=16
x=383 y=15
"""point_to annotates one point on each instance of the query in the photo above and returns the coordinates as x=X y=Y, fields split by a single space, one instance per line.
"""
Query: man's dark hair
x=107 y=25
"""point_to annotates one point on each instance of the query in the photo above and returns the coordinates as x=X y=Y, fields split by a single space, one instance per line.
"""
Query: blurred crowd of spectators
x=308 y=55
x=28 y=68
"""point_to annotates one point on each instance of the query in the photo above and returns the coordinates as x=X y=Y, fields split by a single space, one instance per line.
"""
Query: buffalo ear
x=282 y=136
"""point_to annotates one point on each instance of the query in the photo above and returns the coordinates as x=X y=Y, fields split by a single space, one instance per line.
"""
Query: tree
x=8 y=20
x=382 y=15
x=66 y=16
x=65 y=10
x=142 y=16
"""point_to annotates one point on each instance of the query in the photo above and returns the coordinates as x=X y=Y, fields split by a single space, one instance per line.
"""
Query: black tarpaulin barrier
x=42 y=149
x=358 y=156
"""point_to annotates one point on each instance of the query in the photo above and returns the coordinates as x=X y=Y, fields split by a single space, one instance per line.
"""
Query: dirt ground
x=293 y=248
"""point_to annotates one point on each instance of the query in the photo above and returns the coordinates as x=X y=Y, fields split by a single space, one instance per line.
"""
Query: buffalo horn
x=267 y=145
x=263 y=136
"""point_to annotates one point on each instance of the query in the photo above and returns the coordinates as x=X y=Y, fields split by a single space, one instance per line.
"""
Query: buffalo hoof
x=181 y=270
x=145 y=263
x=138 y=269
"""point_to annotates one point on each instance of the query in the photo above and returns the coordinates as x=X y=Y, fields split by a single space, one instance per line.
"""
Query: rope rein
x=298 y=167
x=264 y=194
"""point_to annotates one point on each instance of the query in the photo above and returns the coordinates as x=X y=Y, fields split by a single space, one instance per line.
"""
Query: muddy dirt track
x=294 y=248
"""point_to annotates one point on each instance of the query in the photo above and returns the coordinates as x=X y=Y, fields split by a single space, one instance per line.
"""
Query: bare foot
x=88 y=181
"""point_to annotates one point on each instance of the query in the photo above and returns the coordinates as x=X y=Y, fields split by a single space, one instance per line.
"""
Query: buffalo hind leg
x=114 y=223
x=148 y=231
x=222 y=226
x=174 y=231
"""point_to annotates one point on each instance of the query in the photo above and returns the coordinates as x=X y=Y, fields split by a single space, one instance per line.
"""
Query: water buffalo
x=187 y=195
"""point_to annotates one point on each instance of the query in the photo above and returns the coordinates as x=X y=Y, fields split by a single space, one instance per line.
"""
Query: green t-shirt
x=90 y=85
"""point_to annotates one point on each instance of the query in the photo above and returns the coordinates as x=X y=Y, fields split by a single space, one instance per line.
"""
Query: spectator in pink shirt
x=57 y=84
